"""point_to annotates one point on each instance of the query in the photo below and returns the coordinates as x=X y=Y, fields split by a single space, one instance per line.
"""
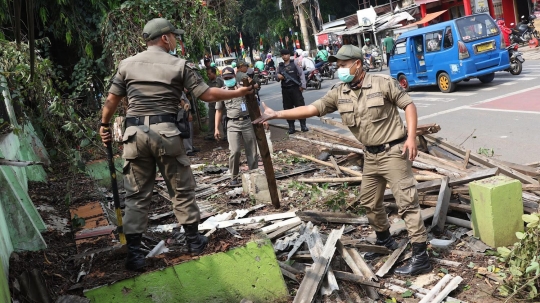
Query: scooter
x=377 y=59
x=516 y=59
x=327 y=70
x=265 y=76
x=524 y=31
x=313 y=79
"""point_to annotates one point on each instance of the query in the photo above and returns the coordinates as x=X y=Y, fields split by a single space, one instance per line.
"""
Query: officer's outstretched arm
x=301 y=112
x=214 y=94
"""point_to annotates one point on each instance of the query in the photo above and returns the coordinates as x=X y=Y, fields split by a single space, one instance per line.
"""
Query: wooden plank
x=336 y=167
x=312 y=280
x=344 y=252
x=345 y=276
x=482 y=160
x=466 y=158
x=343 y=169
x=331 y=217
x=272 y=217
x=453 y=284
x=392 y=259
x=262 y=143
x=315 y=245
x=280 y=232
x=524 y=169
x=364 y=267
x=294 y=172
x=289 y=268
x=438 y=162
x=338 y=137
x=330 y=180
x=477 y=175
x=332 y=146
x=446 y=262
x=367 y=247
x=439 y=219
x=436 y=289
x=288 y=274
x=271 y=228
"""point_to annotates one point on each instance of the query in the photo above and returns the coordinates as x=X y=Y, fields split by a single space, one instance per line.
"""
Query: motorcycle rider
x=321 y=57
x=505 y=31
x=367 y=49
x=307 y=63
x=269 y=62
x=258 y=64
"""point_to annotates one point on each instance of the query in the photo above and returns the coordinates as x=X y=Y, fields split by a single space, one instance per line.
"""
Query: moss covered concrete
x=99 y=171
x=497 y=208
x=250 y=272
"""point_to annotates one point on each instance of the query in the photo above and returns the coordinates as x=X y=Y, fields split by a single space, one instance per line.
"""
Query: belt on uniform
x=384 y=147
x=239 y=118
x=134 y=121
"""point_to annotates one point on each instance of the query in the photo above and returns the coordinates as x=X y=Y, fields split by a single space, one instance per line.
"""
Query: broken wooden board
x=313 y=277
x=223 y=224
x=343 y=169
x=392 y=259
x=295 y=172
x=271 y=228
x=338 y=137
x=345 y=276
x=344 y=252
x=367 y=247
x=315 y=245
x=439 y=218
x=331 y=217
x=283 y=230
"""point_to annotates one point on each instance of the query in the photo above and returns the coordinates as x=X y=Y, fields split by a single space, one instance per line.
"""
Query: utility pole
x=303 y=26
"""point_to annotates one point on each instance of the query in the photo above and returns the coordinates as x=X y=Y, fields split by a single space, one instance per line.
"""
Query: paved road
x=501 y=115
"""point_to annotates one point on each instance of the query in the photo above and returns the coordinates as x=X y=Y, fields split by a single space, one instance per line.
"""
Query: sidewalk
x=530 y=53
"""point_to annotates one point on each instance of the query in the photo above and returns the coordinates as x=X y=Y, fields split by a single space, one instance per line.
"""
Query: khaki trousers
x=392 y=167
x=146 y=146
x=235 y=137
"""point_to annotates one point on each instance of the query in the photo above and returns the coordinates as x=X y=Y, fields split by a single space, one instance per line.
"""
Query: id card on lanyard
x=243 y=106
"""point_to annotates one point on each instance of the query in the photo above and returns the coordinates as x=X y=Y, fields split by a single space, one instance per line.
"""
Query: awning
x=394 y=20
x=331 y=30
x=355 y=30
x=427 y=18
x=419 y=2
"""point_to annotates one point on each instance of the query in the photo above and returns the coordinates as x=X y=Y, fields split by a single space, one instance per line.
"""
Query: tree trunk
x=303 y=27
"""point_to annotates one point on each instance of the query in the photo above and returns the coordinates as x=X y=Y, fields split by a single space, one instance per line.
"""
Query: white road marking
x=430 y=99
x=509 y=83
x=464 y=94
x=479 y=102
x=515 y=78
x=505 y=110
x=489 y=88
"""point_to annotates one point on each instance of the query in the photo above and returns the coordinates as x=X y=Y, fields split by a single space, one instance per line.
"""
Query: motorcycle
x=327 y=70
x=516 y=59
x=524 y=32
x=265 y=77
x=313 y=79
x=377 y=61
x=272 y=73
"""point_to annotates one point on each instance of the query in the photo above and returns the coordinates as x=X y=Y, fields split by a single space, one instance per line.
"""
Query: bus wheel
x=404 y=82
x=445 y=84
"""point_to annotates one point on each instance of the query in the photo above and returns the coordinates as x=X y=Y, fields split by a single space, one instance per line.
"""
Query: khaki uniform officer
x=213 y=81
x=368 y=105
x=153 y=82
x=239 y=128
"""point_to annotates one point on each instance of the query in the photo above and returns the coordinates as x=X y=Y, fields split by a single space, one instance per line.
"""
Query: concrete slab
x=99 y=170
x=497 y=208
x=250 y=272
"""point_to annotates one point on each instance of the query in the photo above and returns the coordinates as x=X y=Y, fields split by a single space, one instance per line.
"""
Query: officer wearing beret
x=368 y=105
x=153 y=82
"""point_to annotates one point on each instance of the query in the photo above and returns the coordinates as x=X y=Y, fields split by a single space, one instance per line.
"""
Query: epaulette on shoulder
x=337 y=85
x=192 y=65
x=387 y=77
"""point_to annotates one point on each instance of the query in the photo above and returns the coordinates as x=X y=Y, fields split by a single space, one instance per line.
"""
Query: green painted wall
x=99 y=171
x=249 y=272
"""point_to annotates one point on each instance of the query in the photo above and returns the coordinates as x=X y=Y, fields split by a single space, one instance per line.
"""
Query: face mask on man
x=230 y=82
x=344 y=74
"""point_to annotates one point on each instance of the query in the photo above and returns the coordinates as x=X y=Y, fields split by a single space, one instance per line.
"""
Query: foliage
x=488 y=152
x=40 y=98
x=201 y=107
x=522 y=262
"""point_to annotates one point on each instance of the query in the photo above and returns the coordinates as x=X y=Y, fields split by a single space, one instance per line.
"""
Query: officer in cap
x=368 y=104
x=153 y=82
x=292 y=86
x=238 y=127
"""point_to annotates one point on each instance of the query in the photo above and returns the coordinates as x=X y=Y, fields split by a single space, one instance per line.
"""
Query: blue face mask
x=172 y=49
x=344 y=74
x=230 y=82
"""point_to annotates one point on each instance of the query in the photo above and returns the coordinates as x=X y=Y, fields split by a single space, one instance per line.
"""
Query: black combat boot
x=135 y=258
x=419 y=263
x=303 y=126
x=292 y=129
x=195 y=241
x=383 y=239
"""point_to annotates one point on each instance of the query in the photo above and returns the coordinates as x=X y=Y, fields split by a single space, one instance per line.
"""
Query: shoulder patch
x=336 y=85
x=397 y=85
x=192 y=65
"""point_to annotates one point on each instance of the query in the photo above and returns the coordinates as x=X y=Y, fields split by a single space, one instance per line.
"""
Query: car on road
x=221 y=63
x=447 y=53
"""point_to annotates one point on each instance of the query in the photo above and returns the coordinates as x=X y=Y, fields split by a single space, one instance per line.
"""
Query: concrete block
x=255 y=183
x=99 y=171
x=497 y=208
x=250 y=272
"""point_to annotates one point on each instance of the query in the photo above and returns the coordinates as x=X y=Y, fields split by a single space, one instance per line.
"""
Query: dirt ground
x=60 y=267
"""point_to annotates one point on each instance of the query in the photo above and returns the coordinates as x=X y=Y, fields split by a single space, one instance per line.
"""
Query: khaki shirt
x=372 y=112
x=153 y=82
x=234 y=110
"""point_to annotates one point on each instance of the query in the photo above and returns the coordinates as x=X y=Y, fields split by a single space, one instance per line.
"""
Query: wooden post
x=443 y=202
x=254 y=113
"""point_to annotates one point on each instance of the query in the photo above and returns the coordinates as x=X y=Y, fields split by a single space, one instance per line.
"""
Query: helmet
x=320 y=47
x=305 y=54
x=212 y=64
x=233 y=64
x=299 y=51
x=367 y=40
x=269 y=56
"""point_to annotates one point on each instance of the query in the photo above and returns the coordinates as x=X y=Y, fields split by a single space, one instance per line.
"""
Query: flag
x=292 y=38
x=261 y=43
x=242 y=47
x=227 y=49
x=281 y=41
x=220 y=51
